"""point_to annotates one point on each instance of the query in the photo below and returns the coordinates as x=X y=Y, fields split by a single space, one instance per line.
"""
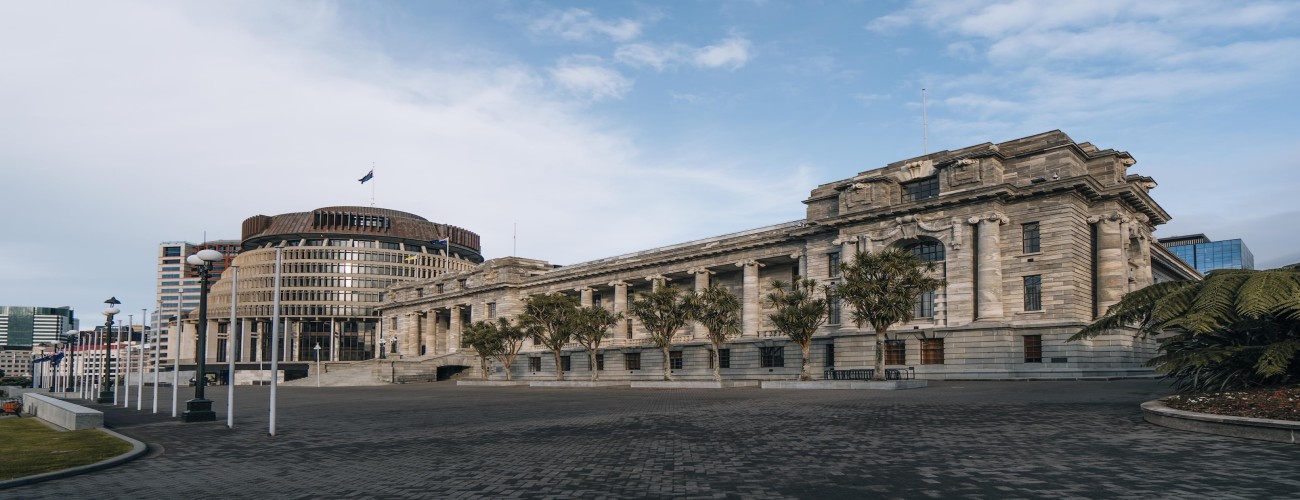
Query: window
x=1033 y=348
x=833 y=311
x=223 y=327
x=171 y=251
x=172 y=261
x=724 y=359
x=632 y=360
x=828 y=358
x=924 y=307
x=896 y=352
x=833 y=264
x=171 y=276
x=932 y=351
x=629 y=328
x=600 y=362
x=675 y=360
x=921 y=190
x=419 y=292
x=771 y=357
x=1033 y=293
x=929 y=251
x=534 y=363
x=221 y=349
x=566 y=363
x=1029 y=232
x=491 y=309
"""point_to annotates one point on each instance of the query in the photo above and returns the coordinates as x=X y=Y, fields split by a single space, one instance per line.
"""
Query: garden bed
x=1274 y=403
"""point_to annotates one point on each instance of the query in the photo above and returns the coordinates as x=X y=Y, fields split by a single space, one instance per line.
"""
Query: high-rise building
x=1206 y=255
x=29 y=326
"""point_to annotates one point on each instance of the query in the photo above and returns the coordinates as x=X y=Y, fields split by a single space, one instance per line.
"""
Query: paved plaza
x=437 y=440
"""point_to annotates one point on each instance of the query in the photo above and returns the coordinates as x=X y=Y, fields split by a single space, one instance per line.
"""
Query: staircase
x=388 y=371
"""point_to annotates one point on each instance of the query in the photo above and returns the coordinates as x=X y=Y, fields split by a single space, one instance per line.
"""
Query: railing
x=770 y=333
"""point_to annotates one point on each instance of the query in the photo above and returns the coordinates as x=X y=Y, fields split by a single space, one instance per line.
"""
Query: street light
x=105 y=390
x=199 y=409
x=383 y=342
x=317 y=348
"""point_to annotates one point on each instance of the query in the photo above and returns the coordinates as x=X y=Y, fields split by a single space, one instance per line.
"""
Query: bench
x=62 y=413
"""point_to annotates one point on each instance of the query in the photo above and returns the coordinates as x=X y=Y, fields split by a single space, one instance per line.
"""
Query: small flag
x=55 y=359
x=369 y=175
x=443 y=241
x=411 y=258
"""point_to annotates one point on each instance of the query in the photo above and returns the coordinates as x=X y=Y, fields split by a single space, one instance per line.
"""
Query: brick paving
x=436 y=440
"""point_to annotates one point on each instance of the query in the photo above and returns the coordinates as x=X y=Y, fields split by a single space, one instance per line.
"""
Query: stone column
x=701 y=283
x=334 y=340
x=245 y=341
x=656 y=281
x=585 y=299
x=800 y=264
x=1112 y=270
x=989 y=262
x=750 y=305
x=1142 y=259
x=453 y=329
x=620 y=296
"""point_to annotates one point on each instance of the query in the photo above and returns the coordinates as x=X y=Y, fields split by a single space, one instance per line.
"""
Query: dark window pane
x=1030 y=232
x=922 y=189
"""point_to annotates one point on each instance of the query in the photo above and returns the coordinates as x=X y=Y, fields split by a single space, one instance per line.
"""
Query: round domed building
x=336 y=264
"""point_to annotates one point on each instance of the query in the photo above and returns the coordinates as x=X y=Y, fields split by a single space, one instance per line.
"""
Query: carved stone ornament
x=909 y=226
x=857 y=195
x=1110 y=217
x=990 y=217
x=964 y=171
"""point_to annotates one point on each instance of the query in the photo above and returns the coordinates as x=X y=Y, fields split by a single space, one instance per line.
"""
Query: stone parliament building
x=1036 y=237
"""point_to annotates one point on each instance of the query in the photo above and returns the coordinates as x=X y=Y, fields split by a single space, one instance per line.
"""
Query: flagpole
x=156 y=349
x=275 y=335
x=139 y=382
x=119 y=357
x=372 y=185
x=230 y=348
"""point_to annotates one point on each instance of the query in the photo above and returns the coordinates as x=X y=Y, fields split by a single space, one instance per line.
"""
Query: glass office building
x=1206 y=255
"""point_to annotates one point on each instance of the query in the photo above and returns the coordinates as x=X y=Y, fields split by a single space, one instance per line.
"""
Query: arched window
x=927 y=250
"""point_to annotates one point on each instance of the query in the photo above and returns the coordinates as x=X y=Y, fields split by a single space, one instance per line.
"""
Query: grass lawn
x=29 y=447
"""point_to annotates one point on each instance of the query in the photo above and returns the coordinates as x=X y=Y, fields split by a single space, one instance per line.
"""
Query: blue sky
x=599 y=127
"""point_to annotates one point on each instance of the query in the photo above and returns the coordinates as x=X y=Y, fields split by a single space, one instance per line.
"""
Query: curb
x=1277 y=431
x=137 y=449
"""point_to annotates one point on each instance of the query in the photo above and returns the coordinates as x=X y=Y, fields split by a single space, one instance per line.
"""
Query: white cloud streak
x=582 y=25
x=730 y=54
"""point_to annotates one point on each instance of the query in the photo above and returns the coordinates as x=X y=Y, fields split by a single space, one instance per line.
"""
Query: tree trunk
x=484 y=363
x=806 y=372
x=668 y=372
x=506 y=363
x=559 y=370
x=591 y=356
x=717 y=365
x=880 y=356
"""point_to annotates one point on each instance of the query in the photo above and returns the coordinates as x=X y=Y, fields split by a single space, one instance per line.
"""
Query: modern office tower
x=1206 y=255
x=29 y=326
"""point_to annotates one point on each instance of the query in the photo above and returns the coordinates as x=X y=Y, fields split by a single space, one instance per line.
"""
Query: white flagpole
x=230 y=347
x=176 y=356
x=139 y=382
x=275 y=334
x=156 y=349
x=117 y=370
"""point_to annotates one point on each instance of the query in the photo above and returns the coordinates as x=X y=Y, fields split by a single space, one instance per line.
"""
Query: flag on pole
x=444 y=241
x=369 y=175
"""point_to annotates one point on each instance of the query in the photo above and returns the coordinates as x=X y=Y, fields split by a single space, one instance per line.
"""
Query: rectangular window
x=1033 y=293
x=724 y=359
x=629 y=328
x=171 y=276
x=932 y=351
x=566 y=363
x=771 y=357
x=833 y=264
x=675 y=360
x=829 y=358
x=171 y=251
x=534 y=363
x=600 y=362
x=833 y=311
x=896 y=352
x=221 y=349
x=632 y=360
x=1029 y=233
x=924 y=307
x=921 y=190
x=1033 y=348
x=491 y=309
x=223 y=327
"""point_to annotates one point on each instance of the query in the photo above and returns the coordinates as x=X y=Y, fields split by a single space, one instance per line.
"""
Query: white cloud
x=731 y=53
x=132 y=124
x=586 y=76
x=582 y=25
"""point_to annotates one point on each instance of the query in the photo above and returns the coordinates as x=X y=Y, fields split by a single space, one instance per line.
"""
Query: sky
x=570 y=131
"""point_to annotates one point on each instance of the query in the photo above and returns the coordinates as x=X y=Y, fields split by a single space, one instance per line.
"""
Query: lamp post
x=199 y=409
x=70 y=383
x=106 y=395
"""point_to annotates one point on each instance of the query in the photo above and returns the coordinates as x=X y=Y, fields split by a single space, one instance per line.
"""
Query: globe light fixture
x=105 y=387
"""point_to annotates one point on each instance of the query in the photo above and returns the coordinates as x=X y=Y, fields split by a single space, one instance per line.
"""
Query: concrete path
x=436 y=440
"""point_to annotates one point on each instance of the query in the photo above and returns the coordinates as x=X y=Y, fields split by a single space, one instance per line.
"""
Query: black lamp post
x=199 y=409
x=105 y=388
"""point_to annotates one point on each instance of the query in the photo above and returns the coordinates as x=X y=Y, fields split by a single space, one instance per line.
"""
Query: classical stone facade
x=1036 y=237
